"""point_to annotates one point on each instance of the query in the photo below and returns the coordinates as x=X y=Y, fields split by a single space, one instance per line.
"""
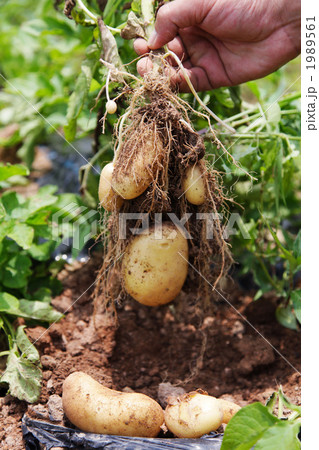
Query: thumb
x=173 y=16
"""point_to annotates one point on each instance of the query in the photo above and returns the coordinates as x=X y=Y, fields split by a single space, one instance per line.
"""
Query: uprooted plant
x=159 y=170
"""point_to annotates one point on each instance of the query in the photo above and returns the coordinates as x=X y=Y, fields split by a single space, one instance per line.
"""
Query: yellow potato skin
x=154 y=270
x=229 y=409
x=131 y=178
x=193 y=185
x=96 y=409
x=193 y=415
x=109 y=199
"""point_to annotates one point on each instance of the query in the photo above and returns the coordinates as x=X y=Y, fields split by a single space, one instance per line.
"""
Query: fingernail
x=153 y=38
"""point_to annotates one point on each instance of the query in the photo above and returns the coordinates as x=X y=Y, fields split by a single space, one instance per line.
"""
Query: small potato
x=193 y=415
x=96 y=409
x=109 y=199
x=154 y=268
x=133 y=174
x=193 y=185
x=229 y=409
x=111 y=107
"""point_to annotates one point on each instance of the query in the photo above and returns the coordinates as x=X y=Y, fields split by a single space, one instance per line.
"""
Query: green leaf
x=42 y=252
x=282 y=436
x=22 y=234
x=14 y=205
x=271 y=401
x=33 y=309
x=247 y=427
x=43 y=294
x=286 y=317
x=9 y=303
x=23 y=377
x=17 y=271
x=5 y=228
x=253 y=86
x=273 y=113
x=296 y=301
x=25 y=346
x=8 y=170
x=223 y=96
x=136 y=6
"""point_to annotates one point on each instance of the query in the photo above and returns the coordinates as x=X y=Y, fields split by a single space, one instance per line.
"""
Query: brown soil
x=154 y=345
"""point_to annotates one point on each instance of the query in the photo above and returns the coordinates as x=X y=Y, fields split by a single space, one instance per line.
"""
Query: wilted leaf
x=133 y=28
x=23 y=377
x=25 y=346
x=110 y=50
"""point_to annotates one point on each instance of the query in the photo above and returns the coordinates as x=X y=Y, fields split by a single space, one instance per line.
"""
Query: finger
x=173 y=16
x=196 y=75
x=144 y=65
x=140 y=46
x=177 y=47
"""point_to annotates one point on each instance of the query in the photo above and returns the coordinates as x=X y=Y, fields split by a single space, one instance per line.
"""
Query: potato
x=111 y=107
x=152 y=269
x=94 y=408
x=193 y=415
x=193 y=185
x=229 y=409
x=109 y=199
x=134 y=174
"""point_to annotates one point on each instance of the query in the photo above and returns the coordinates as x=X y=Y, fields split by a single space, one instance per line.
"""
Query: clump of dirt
x=155 y=345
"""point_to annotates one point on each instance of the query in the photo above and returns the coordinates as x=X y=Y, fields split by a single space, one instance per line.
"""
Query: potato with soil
x=137 y=162
x=96 y=409
x=192 y=415
x=155 y=265
x=109 y=199
x=193 y=184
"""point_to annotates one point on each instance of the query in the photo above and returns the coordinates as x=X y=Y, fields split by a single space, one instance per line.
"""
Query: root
x=158 y=115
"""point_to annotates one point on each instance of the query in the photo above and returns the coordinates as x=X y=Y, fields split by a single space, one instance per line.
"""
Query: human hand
x=224 y=42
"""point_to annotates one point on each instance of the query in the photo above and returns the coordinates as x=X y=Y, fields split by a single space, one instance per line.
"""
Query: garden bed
x=155 y=345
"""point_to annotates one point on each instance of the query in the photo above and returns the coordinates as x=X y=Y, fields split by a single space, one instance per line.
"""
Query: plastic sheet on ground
x=38 y=434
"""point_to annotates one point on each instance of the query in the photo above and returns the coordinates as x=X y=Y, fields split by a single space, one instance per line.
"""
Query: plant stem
x=257 y=135
x=147 y=7
x=193 y=91
x=82 y=6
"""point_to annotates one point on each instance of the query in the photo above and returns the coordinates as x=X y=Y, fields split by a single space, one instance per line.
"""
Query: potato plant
x=267 y=146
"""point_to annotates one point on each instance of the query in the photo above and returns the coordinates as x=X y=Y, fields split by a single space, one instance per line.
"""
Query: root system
x=158 y=115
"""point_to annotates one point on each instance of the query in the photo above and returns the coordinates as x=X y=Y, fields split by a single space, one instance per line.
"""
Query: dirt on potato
x=155 y=345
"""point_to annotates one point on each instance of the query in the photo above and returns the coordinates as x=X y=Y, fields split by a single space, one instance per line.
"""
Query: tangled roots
x=157 y=124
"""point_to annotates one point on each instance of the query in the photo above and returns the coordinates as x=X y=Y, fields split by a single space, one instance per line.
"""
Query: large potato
x=154 y=269
x=109 y=199
x=193 y=185
x=193 y=415
x=97 y=409
x=135 y=167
